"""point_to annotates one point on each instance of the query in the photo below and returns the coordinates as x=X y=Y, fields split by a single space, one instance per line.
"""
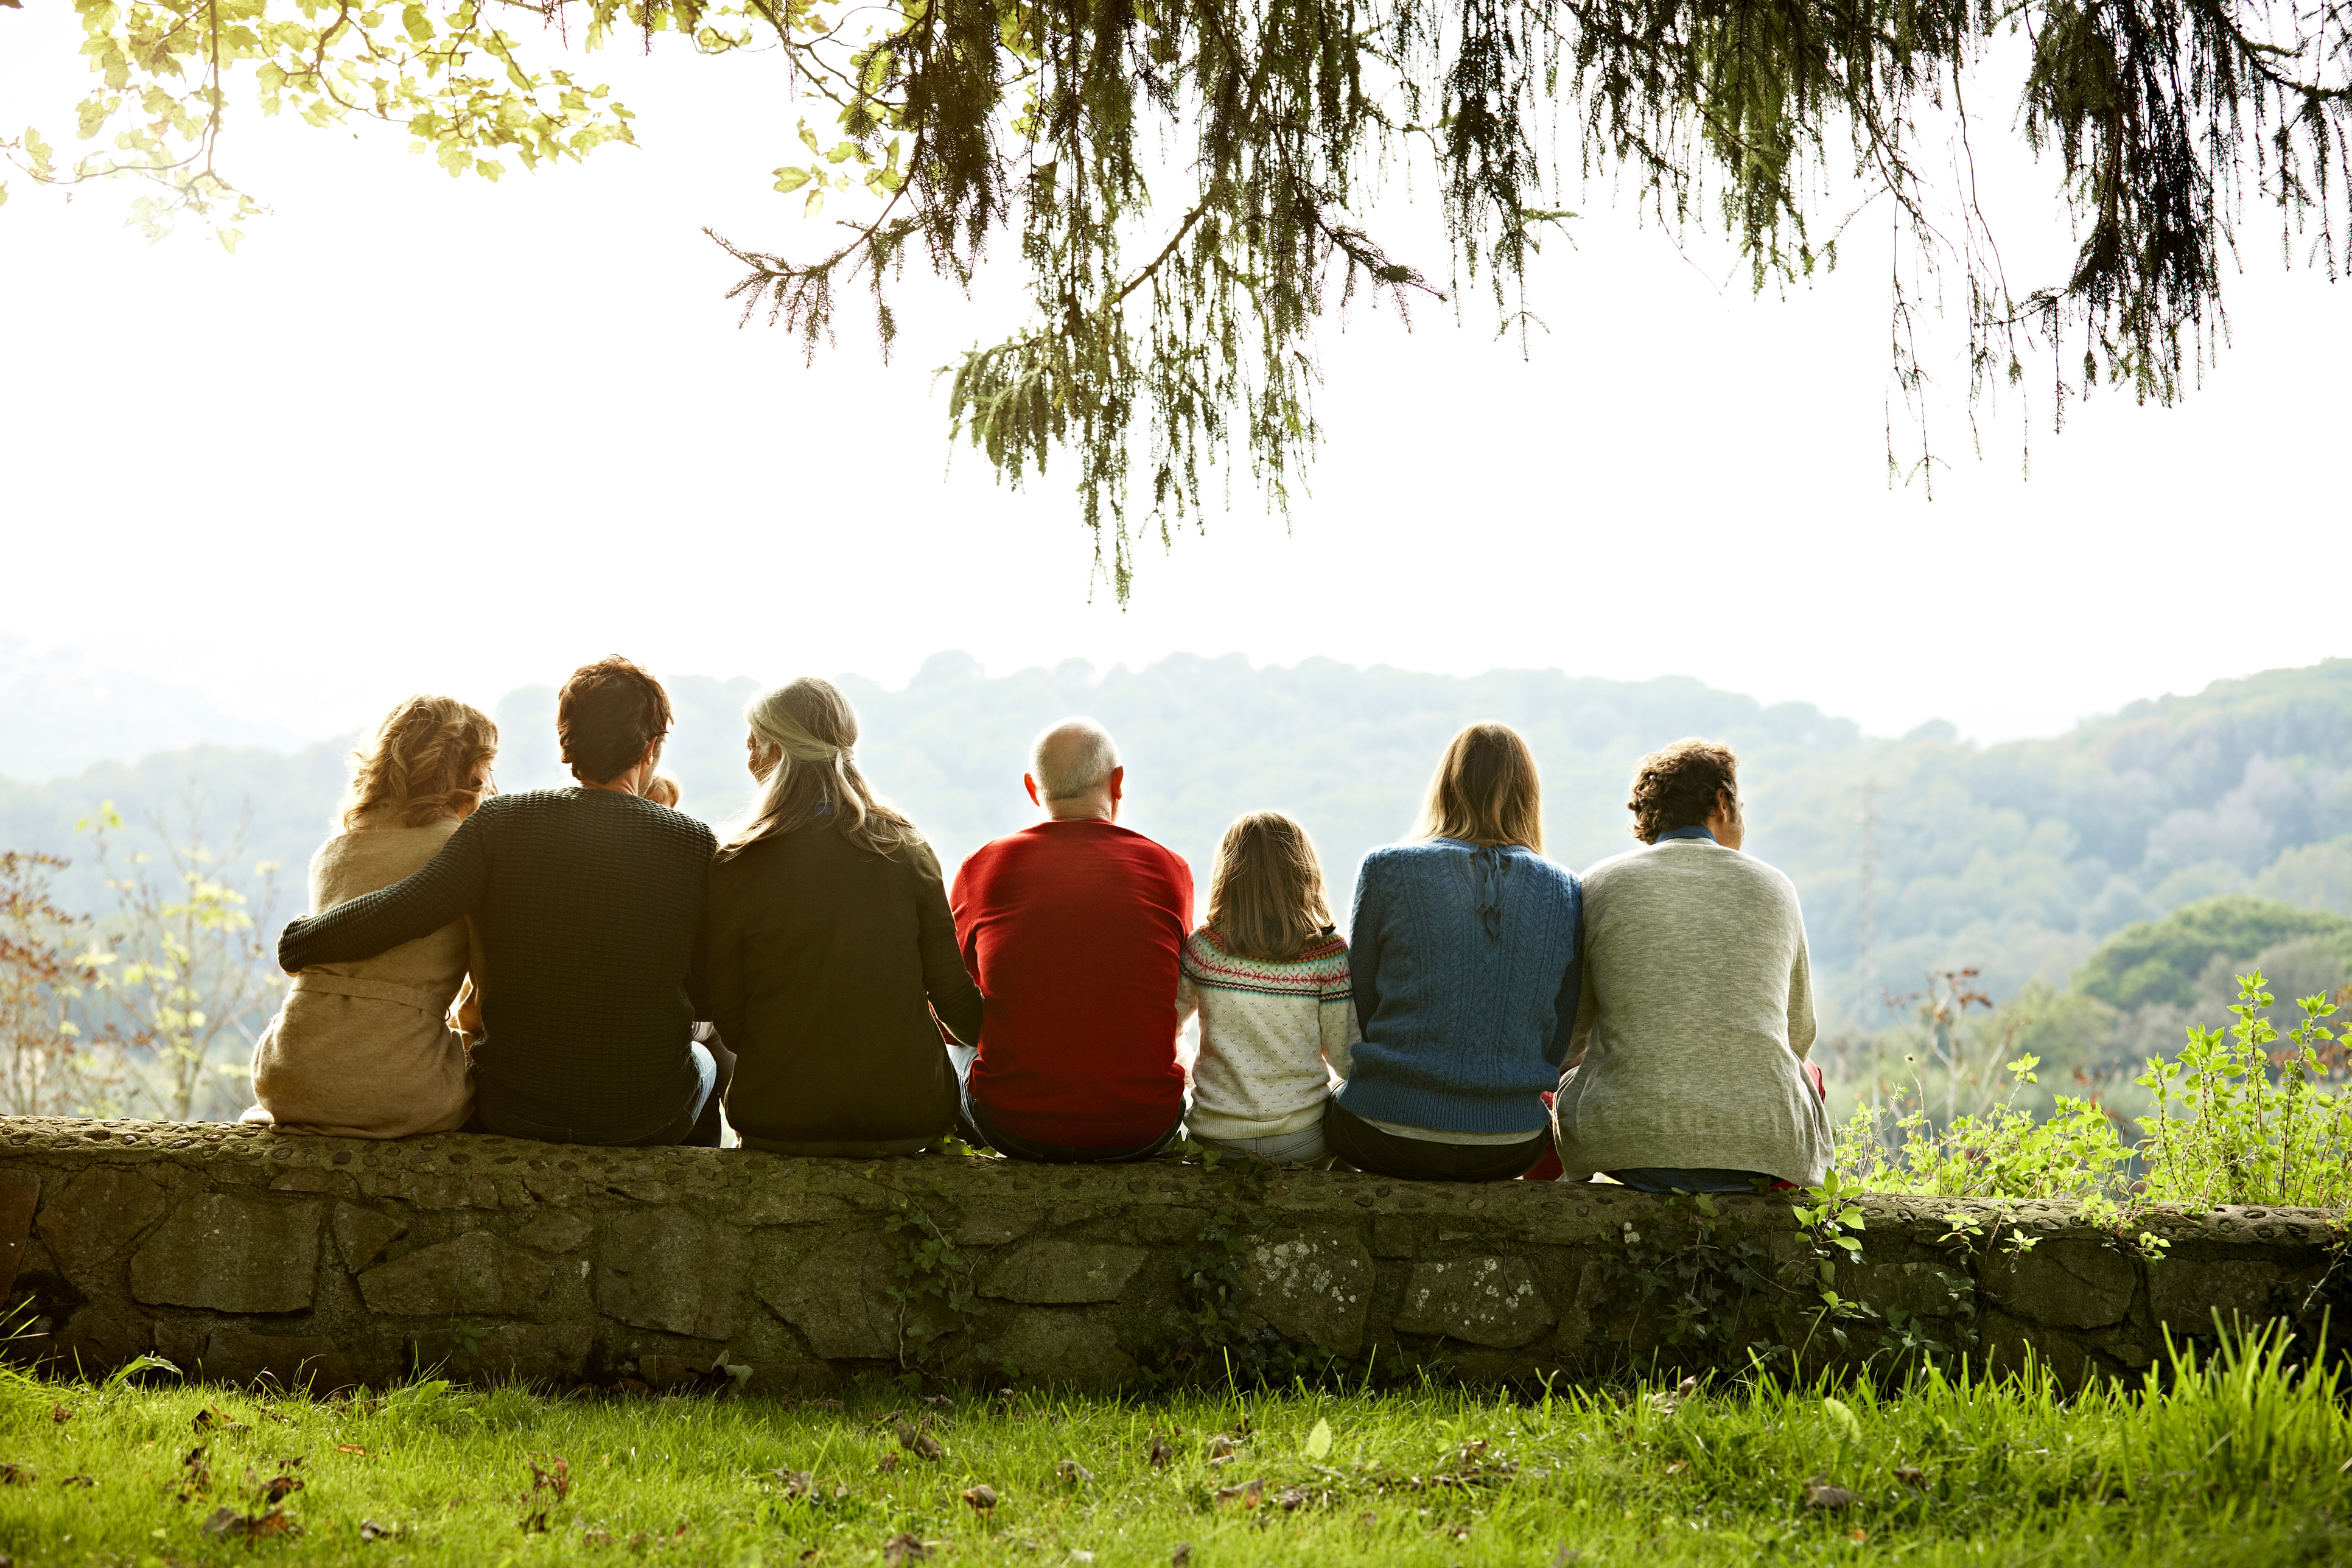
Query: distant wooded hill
x=1911 y=854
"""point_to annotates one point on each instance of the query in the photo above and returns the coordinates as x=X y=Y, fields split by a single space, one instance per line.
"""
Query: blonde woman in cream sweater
x=365 y=1050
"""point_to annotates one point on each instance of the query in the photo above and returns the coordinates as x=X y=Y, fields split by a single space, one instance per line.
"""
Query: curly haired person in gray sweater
x=1696 y=1013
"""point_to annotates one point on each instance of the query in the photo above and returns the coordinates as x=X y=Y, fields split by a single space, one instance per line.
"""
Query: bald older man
x=1073 y=929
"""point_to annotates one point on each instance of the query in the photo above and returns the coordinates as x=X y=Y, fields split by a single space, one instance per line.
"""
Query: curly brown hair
x=1678 y=785
x=606 y=717
x=420 y=767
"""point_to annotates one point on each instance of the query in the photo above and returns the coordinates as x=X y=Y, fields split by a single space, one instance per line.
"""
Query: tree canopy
x=1190 y=182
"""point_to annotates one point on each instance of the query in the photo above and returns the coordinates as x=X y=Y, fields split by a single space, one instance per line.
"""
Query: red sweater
x=1074 y=930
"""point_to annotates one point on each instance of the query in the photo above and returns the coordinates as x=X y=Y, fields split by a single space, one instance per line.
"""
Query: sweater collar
x=1686 y=833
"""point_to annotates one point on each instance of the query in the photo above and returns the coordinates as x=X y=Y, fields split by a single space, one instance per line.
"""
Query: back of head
x=607 y=714
x=1678 y=785
x=1071 y=759
x=1266 y=900
x=663 y=789
x=1486 y=790
x=804 y=733
x=420 y=768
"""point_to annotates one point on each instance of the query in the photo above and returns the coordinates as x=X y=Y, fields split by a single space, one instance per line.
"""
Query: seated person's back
x=1698 y=1000
x=1074 y=927
x=587 y=901
x=363 y=1050
x=830 y=961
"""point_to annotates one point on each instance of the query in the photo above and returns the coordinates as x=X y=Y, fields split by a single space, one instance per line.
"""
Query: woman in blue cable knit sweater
x=1463 y=963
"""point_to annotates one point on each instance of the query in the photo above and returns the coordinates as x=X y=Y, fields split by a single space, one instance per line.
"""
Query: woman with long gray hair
x=829 y=960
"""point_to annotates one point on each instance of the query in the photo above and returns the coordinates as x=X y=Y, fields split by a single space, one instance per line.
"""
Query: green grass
x=2238 y=1462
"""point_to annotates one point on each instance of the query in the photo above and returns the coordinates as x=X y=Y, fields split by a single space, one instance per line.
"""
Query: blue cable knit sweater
x=1464 y=966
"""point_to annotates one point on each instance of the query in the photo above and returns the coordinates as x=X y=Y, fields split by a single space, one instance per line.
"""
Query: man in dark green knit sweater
x=587 y=901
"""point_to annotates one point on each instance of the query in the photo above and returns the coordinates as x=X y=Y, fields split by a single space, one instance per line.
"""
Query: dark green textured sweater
x=588 y=903
x=822 y=967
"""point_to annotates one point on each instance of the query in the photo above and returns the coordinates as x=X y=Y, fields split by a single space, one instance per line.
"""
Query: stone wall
x=241 y=1252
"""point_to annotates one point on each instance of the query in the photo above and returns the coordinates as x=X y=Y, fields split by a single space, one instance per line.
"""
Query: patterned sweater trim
x=1320 y=972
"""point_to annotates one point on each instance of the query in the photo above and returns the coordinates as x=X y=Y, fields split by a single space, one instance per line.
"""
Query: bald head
x=1073 y=770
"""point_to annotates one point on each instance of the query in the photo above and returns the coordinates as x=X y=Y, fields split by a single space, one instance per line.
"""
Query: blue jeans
x=1699 y=1179
x=697 y=1123
x=975 y=1126
x=1304 y=1147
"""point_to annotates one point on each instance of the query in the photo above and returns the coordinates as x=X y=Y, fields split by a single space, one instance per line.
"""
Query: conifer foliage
x=1190 y=181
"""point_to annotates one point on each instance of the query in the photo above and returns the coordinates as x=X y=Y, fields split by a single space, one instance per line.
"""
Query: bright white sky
x=429 y=434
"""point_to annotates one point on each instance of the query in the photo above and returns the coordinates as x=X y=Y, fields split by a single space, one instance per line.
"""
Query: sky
x=426 y=434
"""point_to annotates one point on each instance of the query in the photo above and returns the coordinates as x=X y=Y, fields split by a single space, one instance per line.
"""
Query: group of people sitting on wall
x=591 y=965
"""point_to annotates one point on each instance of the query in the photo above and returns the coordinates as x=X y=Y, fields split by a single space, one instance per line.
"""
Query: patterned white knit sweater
x=1268 y=1031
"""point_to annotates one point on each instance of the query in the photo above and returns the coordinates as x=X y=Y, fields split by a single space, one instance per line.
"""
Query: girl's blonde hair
x=811 y=729
x=1486 y=790
x=420 y=767
x=1266 y=900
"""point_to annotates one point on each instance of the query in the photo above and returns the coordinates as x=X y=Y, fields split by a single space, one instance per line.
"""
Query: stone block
x=1392 y=1236
x=1492 y=1301
x=1063 y=1273
x=91 y=1219
x=2067 y=1284
x=555 y=1230
x=994 y=1227
x=363 y=1233
x=312 y=1180
x=1917 y=1289
x=531 y=1353
x=2184 y=1293
x=303 y=1361
x=474 y=1273
x=102 y=1335
x=673 y=1272
x=232 y=1252
x=834 y=1290
x=20 y=1194
x=1311 y=1285
x=1066 y=1347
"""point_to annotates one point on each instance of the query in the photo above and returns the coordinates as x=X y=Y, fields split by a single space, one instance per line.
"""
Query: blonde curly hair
x=420 y=767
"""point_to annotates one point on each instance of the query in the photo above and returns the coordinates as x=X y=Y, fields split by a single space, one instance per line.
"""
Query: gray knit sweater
x=1696 y=1007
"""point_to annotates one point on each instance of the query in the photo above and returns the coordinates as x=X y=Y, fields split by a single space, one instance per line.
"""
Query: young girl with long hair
x=1267 y=976
x=363 y=1049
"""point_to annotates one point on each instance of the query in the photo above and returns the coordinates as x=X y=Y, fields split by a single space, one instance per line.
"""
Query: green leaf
x=789 y=179
x=228 y=238
x=1318 y=1441
x=816 y=203
x=419 y=26
x=809 y=136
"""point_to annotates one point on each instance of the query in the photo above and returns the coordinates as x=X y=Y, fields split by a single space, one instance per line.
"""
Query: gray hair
x=1072 y=758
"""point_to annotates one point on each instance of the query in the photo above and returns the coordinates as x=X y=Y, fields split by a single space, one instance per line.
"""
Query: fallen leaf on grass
x=61 y=1415
x=1223 y=1444
x=1857 y=1536
x=196 y=1476
x=981 y=1497
x=1291 y=1498
x=1678 y=1466
x=888 y=1463
x=1820 y=1493
x=904 y=1548
x=594 y=1536
x=1911 y=1476
x=227 y=1524
x=796 y=1482
x=556 y=1477
x=1249 y=1494
x=279 y=1487
x=1665 y=1404
x=919 y=1443
x=371 y=1531
x=1072 y=1473
x=79 y=1481
x=533 y=1524
x=15 y=1475
x=1160 y=1454
x=349 y=1448
x=1318 y=1441
x=1182 y=1556
x=209 y=1420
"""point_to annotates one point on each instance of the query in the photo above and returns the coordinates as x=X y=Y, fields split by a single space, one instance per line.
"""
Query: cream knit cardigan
x=362 y=1050
x=1269 y=1030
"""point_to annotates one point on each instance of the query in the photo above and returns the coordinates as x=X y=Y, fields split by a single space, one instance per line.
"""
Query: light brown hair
x=1266 y=899
x=1677 y=785
x=606 y=717
x=662 y=790
x=1486 y=790
x=809 y=729
x=420 y=767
